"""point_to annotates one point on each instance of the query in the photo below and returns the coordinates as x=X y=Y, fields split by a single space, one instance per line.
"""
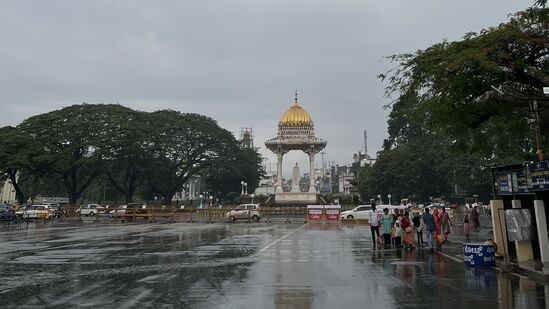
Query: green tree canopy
x=477 y=91
x=66 y=143
x=231 y=168
x=184 y=145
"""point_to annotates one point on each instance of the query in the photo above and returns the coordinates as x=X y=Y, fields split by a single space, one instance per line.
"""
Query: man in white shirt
x=373 y=219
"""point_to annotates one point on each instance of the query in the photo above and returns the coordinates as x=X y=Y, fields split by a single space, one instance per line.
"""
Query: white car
x=245 y=211
x=359 y=212
x=90 y=210
x=120 y=211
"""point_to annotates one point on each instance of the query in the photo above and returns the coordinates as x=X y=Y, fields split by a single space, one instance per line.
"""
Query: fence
x=163 y=214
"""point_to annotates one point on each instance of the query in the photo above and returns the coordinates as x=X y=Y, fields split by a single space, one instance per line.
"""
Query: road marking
x=521 y=276
x=276 y=241
x=450 y=257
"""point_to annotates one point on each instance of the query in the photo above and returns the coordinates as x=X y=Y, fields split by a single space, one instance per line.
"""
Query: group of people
x=400 y=228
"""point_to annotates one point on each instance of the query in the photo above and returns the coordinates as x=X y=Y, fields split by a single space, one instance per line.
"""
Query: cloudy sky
x=236 y=61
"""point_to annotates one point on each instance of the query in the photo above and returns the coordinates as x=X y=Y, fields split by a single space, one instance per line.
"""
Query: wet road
x=241 y=266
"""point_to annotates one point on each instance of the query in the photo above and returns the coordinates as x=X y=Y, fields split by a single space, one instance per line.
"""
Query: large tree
x=183 y=146
x=478 y=91
x=67 y=142
x=226 y=173
x=15 y=154
x=127 y=149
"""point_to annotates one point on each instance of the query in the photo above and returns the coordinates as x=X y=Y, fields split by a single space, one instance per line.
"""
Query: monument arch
x=295 y=132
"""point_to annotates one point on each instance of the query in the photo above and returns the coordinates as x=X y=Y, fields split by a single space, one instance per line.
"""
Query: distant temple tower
x=246 y=138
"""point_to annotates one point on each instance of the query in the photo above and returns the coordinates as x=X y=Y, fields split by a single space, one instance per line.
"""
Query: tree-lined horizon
x=463 y=107
x=155 y=153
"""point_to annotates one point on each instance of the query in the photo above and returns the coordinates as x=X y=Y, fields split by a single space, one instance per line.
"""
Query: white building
x=266 y=185
x=7 y=194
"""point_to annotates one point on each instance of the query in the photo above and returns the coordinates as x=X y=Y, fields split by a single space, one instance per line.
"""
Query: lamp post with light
x=245 y=188
x=200 y=197
x=242 y=186
x=252 y=196
x=379 y=198
x=389 y=197
x=211 y=199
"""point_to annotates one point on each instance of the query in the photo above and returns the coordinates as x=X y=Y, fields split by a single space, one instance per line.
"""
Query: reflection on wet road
x=240 y=266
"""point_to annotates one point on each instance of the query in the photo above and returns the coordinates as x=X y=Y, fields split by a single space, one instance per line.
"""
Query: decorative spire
x=295 y=102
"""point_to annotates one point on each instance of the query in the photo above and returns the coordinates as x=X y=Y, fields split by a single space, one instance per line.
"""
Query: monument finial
x=295 y=97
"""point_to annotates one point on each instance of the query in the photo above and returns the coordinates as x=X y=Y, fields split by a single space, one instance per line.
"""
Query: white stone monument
x=295 y=132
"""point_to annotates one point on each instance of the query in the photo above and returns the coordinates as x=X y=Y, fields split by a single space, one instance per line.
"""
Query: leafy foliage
x=477 y=91
x=233 y=167
x=80 y=146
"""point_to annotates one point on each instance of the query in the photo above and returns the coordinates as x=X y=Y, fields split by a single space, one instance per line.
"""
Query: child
x=398 y=235
x=466 y=227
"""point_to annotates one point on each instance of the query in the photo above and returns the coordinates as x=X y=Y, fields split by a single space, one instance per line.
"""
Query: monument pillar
x=279 y=172
x=312 y=188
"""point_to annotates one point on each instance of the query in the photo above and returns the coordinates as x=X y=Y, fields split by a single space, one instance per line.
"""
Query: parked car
x=129 y=209
x=4 y=207
x=359 y=212
x=244 y=211
x=7 y=213
x=120 y=211
x=54 y=209
x=37 y=212
x=90 y=210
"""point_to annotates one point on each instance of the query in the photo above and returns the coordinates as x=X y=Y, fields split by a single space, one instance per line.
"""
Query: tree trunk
x=18 y=193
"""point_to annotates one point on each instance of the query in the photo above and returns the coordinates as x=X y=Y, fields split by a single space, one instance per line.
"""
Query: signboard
x=332 y=212
x=538 y=175
x=519 y=224
x=479 y=255
x=532 y=177
x=512 y=182
x=314 y=212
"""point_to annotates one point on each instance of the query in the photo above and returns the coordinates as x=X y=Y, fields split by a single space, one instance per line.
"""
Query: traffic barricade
x=314 y=212
x=332 y=212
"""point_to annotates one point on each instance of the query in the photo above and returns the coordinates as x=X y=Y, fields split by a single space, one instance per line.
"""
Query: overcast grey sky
x=236 y=61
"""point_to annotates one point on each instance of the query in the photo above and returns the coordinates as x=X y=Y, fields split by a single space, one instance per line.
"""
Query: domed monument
x=295 y=132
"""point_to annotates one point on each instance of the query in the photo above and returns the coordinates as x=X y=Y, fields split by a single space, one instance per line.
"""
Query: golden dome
x=296 y=116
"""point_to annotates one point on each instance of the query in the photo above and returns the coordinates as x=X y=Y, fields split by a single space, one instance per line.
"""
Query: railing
x=168 y=214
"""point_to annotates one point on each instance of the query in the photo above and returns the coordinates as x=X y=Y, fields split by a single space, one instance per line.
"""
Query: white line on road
x=521 y=276
x=451 y=257
x=276 y=241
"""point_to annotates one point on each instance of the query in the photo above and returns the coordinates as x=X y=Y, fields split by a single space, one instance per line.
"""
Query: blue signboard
x=532 y=177
x=479 y=255
x=512 y=182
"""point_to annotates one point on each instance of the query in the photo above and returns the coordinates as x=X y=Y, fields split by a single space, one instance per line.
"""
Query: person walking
x=407 y=231
x=466 y=227
x=373 y=219
x=418 y=226
x=445 y=223
x=398 y=235
x=475 y=218
x=429 y=222
x=386 y=223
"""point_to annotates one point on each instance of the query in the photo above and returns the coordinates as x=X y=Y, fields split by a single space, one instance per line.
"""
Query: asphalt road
x=241 y=265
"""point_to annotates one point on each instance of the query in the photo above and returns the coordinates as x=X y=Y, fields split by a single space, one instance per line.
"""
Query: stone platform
x=296 y=197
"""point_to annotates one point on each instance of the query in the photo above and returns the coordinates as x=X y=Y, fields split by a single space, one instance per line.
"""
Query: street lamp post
x=211 y=199
x=246 y=188
x=252 y=196
x=379 y=198
x=201 y=197
x=389 y=197
x=318 y=186
x=242 y=186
